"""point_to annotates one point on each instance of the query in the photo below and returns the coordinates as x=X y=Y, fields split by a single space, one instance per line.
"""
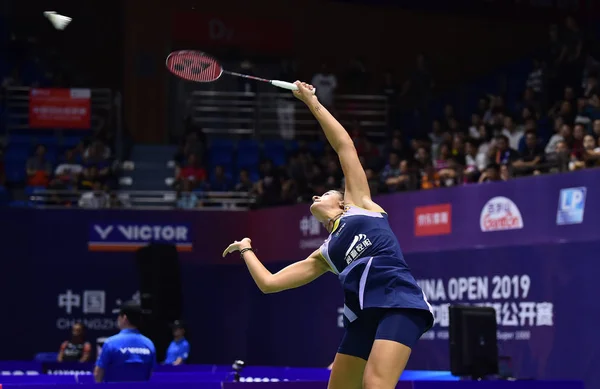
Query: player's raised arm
x=292 y=276
x=357 y=188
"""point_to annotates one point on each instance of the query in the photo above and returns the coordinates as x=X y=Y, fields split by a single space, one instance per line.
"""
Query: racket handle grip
x=286 y=85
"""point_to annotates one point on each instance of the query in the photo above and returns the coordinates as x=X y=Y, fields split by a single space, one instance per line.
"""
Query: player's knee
x=375 y=380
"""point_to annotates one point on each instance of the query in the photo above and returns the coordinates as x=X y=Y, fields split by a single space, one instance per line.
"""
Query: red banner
x=213 y=31
x=60 y=108
x=433 y=220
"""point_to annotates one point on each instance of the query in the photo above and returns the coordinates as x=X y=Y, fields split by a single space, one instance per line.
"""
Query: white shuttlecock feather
x=60 y=22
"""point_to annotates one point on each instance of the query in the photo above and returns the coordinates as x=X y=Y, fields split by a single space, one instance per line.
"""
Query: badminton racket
x=200 y=67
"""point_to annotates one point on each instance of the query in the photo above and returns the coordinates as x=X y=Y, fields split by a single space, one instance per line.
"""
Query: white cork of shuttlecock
x=60 y=22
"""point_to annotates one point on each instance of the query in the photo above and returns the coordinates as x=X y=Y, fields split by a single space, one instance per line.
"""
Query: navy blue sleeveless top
x=364 y=252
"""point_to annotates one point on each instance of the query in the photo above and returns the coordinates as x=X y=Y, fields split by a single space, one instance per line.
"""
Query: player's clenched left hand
x=305 y=92
x=237 y=246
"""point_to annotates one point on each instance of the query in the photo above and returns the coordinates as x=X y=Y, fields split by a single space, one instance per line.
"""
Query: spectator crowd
x=553 y=127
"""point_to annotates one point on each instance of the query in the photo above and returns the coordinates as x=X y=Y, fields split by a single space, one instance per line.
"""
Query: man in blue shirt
x=129 y=355
x=179 y=349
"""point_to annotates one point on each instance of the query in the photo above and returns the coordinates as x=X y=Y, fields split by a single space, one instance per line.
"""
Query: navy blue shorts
x=398 y=324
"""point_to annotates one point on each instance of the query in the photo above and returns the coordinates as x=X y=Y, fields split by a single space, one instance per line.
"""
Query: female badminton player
x=385 y=311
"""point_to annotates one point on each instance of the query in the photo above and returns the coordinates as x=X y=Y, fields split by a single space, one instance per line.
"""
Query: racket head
x=194 y=66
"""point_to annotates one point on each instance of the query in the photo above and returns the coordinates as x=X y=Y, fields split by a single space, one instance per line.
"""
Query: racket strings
x=194 y=66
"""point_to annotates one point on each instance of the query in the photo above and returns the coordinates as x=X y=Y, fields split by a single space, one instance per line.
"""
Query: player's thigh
x=354 y=350
x=347 y=372
x=386 y=363
x=398 y=331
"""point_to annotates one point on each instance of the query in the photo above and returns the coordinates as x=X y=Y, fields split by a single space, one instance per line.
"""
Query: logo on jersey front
x=433 y=220
x=358 y=245
x=571 y=206
x=500 y=214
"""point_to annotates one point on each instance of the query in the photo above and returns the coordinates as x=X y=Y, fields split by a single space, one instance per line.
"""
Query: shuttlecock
x=60 y=22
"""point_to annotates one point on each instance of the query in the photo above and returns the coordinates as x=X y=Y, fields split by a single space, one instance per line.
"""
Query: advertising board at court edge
x=500 y=214
x=433 y=220
x=96 y=309
x=517 y=314
x=133 y=236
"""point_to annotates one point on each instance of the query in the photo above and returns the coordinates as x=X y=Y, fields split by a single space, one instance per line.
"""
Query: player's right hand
x=305 y=92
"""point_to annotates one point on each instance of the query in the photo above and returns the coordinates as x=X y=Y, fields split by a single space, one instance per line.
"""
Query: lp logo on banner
x=571 y=206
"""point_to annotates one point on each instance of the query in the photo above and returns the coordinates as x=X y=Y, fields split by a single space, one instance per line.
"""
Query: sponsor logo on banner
x=91 y=307
x=60 y=108
x=500 y=214
x=433 y=220
x=227 y=30
x=571 y=206
x=312 y=233
x=517 y=314
x=130 y=237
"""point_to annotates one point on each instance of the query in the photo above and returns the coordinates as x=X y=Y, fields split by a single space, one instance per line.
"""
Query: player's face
x=327 y=205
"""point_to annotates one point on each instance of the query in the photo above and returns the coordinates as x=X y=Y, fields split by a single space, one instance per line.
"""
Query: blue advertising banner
x=527 y=247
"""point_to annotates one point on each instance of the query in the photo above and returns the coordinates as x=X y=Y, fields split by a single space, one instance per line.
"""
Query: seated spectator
x=192 y=172
x=333 y=174
x=422 y=158
x=372 y=180
x=505 y=173
x=219 y=182
x=186 y=199
x=559 y=158
x=76 y=349
x=513 y=132
x=557 y=136
x=529 y=162
x=95 y=159
x=458 y=148
x=89 y=177
x=395 y=175
x=577 y=140
x=430 y=178
x=502 y=153
x=269 y=186
x=596 y=129
x=449 y=176
x=97 y=198
x=491 y=173
x=436 y=136
x=583 y=115
x=471 y=171
x=589 y=157
x=475 y=123
x=443 y=156
x=97 y=150
x=397 y=147
x=244 y=184
x=483 y=150
x=38 y=168
x=67 y=174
